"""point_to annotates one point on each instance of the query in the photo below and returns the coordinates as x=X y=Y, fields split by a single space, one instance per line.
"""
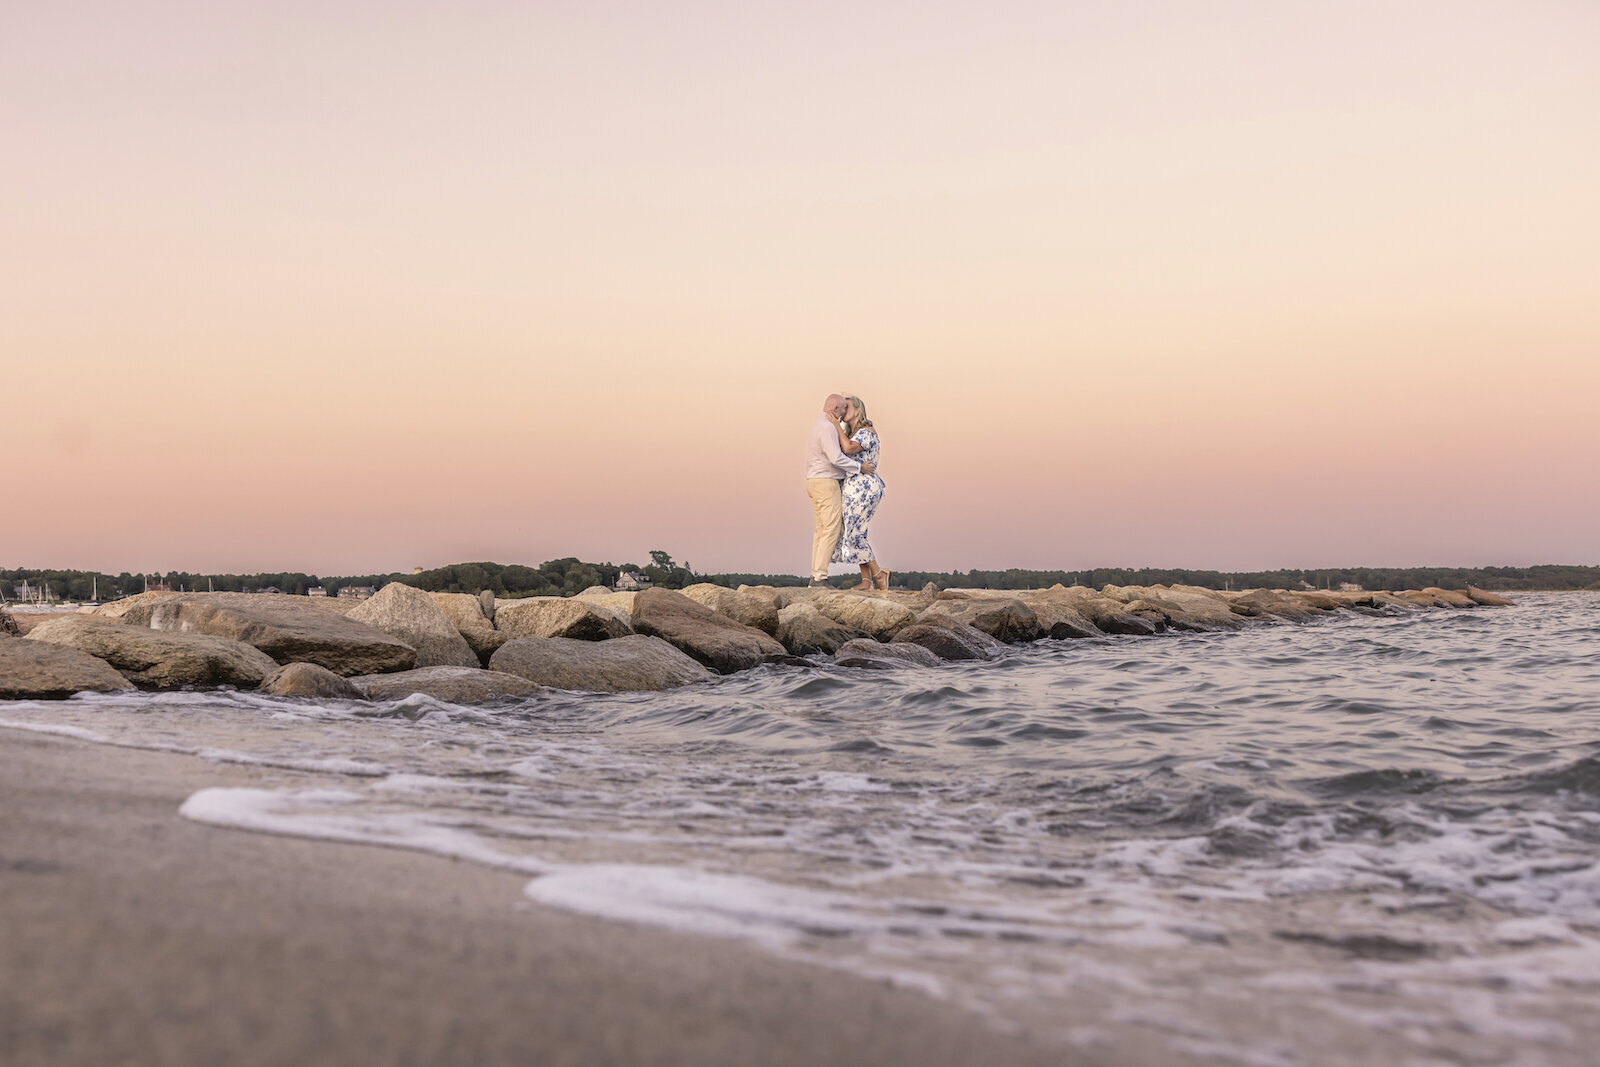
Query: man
x=826 y=469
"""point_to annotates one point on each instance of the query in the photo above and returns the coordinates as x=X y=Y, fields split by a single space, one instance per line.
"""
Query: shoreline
x=139 y=937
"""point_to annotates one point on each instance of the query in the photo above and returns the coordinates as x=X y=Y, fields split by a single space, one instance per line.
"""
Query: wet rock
x=8 y=625
x=288 y=628
x=1005 y=619
x=465 y=613
x=308 y=680
x=755 y=611
x=949 y=639
x=1491 y=600
x=805 y=631
x=559 y=616
x=153 y=659
x=408 y=613
x=39 y=670
x=454 y=685
x=621 y=665
x=878 y=655
x=876 y=616
x=718 y=642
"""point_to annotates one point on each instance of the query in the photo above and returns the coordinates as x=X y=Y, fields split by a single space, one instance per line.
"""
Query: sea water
x=1360 y=837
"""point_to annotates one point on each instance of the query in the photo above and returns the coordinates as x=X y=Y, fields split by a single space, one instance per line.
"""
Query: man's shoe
x=814 y=584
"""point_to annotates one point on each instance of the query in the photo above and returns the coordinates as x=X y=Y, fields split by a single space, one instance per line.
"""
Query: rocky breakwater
x=405 y=641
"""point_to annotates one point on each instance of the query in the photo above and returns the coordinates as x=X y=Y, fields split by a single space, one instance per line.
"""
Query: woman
x=862 y=492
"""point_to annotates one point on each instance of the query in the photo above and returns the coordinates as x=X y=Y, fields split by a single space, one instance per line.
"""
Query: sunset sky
x=344 y=287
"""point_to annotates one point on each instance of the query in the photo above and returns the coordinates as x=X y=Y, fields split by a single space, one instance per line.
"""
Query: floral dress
x=862 y=492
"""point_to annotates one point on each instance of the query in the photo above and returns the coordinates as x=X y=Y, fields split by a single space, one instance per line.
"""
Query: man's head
x=835 y=406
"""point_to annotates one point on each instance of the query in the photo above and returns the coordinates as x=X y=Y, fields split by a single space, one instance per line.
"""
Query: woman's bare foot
x=862 y=588
x=881 y=579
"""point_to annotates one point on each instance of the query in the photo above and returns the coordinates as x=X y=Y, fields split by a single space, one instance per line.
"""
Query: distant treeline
x=564 y=577
x=1548 y=576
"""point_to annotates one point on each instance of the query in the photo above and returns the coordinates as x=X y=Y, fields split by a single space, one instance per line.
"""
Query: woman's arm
x=847 y=446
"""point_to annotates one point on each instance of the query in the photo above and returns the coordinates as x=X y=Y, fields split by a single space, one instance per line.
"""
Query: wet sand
x=131 y=936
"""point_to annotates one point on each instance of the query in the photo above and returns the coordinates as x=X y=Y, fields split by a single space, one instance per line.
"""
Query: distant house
x=1350 y=587
x=316 y=590
x=357 y=592
x=158 y=587
x=632 y=581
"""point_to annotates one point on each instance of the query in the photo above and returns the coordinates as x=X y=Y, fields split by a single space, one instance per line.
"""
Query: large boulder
x=757 y=611
x=805 y=631
x=1109 y=616
x=307 y=680
x=876 y=617
x=718 y=642
x=1004 y=619
x=1487 y=599
x=949 y=639
x=153 y=659
x=877 y=655
x=624 y=664
x=8 y=625
x=559 y=616
x=1451 y=598
x=39 y=670
x=409 y=613
x=765 y=593
x=466 y=614
x=1182 y=607
x=288 y=628
x=455 y=685
x=621 y=603
x=116 y=609
x=1058 y=617
x=1275 y=603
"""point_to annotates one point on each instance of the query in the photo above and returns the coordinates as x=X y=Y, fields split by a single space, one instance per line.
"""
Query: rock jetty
x=470 y=649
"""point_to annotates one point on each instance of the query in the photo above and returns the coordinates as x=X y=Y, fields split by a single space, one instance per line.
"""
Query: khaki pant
x=827 y=503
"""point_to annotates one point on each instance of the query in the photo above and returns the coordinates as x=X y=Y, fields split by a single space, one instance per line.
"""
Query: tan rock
x=408 y=613
x=741 y=607
x=1451 y=598
x=557 y=616
x=1005 y=619
x=624 y=664
x=1059 y=617
x=766 y=593
x=454 y=685
x=714 y=640
x=8 y=625
x=288 y=628
x=308 y=680
x=876 y=617
x=1275 y=603
x=153 y=659
x=39 y=670
x=621 y=603
x=465 y=613
x=116 y=609
x=805 y=631
x=1106 y=613
x=1488 y=599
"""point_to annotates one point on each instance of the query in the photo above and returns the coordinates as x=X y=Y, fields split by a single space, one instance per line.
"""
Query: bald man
x=826 y=469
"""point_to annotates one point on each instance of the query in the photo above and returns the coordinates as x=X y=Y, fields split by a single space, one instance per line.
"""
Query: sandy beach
x=133 y=936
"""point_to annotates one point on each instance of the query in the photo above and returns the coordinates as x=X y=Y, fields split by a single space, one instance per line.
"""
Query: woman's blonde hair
x=861 y=414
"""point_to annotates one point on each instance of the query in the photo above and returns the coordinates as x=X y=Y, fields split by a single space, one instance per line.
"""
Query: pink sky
x=353 y=287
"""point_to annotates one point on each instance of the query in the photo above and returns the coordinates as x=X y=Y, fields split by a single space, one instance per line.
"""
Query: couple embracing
x=843 y=484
